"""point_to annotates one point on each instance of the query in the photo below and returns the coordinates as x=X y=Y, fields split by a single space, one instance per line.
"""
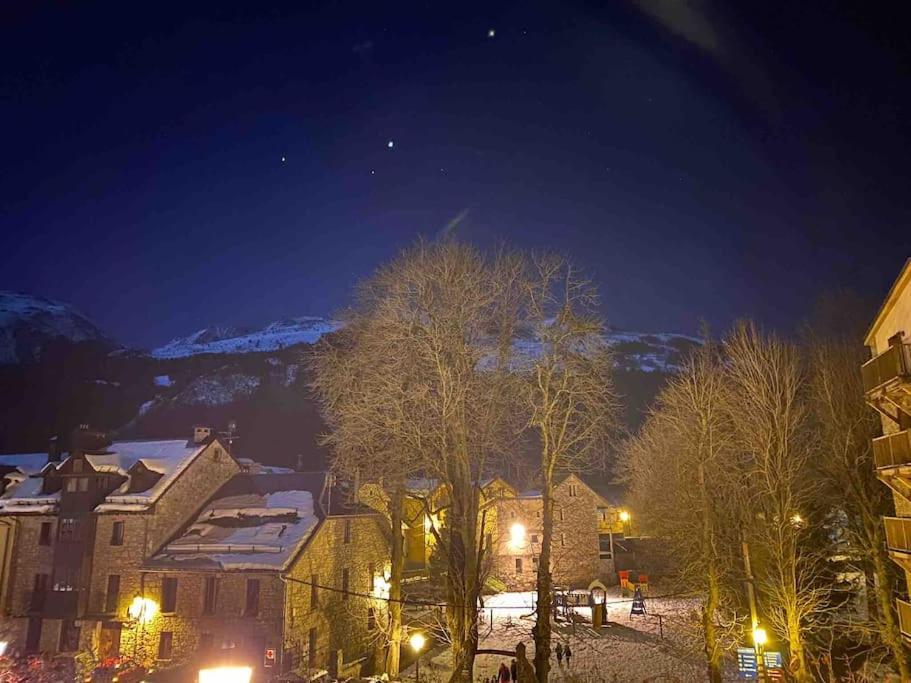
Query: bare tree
x=429 y=341
x=768 y=411
x=844 y=427
x=571 y=401
x=685 y=482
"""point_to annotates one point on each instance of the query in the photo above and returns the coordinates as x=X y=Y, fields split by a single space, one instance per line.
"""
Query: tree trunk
x=463 y=575
x=889 y=632
x=541 y=630
x=796 y=649
x=713 y=652
x=713 y=592
x=397 y=553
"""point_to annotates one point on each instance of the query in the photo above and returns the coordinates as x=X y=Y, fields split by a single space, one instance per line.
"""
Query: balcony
x=898 y=540
x=892 y=459
x=892 y=366
x=904 y=617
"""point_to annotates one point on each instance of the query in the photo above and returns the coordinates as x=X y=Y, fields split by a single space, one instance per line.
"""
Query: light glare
x=226 y=674
x=417 y=641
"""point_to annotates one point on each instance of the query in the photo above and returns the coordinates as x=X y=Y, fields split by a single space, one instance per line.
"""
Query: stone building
x=585 y=528
x=887 y=388
x=174 y=554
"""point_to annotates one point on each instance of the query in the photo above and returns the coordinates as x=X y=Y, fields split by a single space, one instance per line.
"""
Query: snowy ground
x=629 y=649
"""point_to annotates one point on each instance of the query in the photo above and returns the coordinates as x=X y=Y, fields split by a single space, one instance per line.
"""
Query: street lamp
x=417 y=642
x=517 y=535
x=760 y=637
x=141 y=612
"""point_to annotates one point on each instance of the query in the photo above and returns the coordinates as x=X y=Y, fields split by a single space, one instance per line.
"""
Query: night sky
x=167 y=167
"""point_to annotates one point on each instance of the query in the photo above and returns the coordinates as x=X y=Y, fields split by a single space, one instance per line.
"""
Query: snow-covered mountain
x=29 y=323
x=273 y=337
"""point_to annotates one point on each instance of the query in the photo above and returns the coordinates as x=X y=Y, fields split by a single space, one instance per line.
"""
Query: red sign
x=269 y=657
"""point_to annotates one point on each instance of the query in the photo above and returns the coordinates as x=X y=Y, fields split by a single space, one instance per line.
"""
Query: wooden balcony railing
x=893 y=363
x=892 y=450
x=898 y=534
x=904 y=617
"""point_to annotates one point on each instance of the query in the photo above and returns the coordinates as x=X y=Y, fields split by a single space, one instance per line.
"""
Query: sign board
x=774 y=665
x=747 y=664
x=269 y=657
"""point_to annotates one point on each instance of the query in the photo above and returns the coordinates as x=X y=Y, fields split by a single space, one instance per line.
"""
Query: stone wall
x=341 y=621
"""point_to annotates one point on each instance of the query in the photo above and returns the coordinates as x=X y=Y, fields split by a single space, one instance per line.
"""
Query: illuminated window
x=68 y=529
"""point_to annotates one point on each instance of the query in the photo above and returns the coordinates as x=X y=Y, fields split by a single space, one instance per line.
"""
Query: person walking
x=559 y=650
x=514 y=670
x=568 y=653
x=504 y=673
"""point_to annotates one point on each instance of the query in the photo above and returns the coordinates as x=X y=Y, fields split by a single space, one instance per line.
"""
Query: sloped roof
x=903 y=278
x=254 y=522
x=167 y=457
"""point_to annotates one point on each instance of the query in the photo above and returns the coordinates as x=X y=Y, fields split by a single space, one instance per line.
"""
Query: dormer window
x=77 y=465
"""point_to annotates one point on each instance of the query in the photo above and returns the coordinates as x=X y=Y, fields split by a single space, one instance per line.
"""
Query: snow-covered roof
x=27 y=463
x=168 y=458
x=255 y=521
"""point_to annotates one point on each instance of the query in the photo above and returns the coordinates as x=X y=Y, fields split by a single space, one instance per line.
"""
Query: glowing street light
x=142 y=610
x=624 y=516
x=226 y=674
x=417 y=642
x=760 y=637
x=517 y=535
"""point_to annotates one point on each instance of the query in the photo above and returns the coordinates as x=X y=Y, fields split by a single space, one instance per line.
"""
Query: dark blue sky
x=701 y=162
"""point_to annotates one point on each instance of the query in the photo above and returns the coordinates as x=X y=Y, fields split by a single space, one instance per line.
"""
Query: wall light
x=624 y=516
x=517 y=535
x=142 y=609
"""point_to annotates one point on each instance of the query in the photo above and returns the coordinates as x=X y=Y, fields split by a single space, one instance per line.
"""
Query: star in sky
x=491 y=33
x=390 y=144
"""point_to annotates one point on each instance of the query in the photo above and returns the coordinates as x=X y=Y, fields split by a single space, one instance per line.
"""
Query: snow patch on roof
x=254 y=530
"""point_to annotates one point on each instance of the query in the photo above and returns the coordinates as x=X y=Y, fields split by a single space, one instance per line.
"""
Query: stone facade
x=342 y=631
x=581 y=519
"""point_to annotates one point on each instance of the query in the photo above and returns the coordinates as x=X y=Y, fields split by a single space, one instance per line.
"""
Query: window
x=44 y=537
x=169 y=594
x=371 y=576
x=69 y=636
x=513 y=514
x=604 y=547
x=562 y=540
x=68 y=529
x=39 y=591
x=518 y=565
x=112 y=595
x=347 y=531
x=82 y=484
x=314 y=592
x=70 y=485
x=251 y=606
x=117 y=533
x=345 y=584
x=371 y=619
x=165 y=644
x=210 y=595
x=534 y=563
x=66 y=579
x=206 y=640
x=573 y=491
x=534 y=538
x=562 y=516
x=311 y=649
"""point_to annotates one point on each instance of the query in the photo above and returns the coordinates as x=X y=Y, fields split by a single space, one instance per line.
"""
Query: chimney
x=53 y=449
x=201 y=434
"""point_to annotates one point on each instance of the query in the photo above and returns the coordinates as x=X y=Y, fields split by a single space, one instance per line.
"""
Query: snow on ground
x=629 y=649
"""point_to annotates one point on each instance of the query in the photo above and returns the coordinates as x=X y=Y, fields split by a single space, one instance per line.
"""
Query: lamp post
x=417 y=642
x=760 y=637
x=624 y=517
